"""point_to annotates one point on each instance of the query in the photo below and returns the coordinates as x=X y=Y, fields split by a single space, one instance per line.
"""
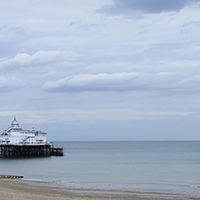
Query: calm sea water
x=149 y=166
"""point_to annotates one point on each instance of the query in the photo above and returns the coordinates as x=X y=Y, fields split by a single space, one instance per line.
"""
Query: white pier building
x=15 y=135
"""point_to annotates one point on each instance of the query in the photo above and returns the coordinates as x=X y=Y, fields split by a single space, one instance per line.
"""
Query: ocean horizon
x=155 y=166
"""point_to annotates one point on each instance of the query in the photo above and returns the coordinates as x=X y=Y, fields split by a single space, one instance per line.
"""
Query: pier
x=16 y=142
x=10 y=177
x=23 y=151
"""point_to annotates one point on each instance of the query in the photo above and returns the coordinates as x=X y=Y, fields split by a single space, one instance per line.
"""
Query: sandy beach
x=21 y=190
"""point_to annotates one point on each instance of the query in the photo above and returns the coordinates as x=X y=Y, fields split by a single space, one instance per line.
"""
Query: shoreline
x=32 y=190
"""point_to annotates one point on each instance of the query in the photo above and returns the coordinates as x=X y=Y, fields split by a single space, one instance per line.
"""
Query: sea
x=153 y=167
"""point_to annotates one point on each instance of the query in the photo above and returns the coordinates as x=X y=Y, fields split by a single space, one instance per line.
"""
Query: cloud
x=66 y=115
x=144 y=6
x=10 y=34
x=132 y=81
x=8 y=84
x=37 y=59
x=90 y=82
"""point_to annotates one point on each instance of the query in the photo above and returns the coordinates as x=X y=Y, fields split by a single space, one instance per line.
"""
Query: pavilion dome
x=15 y=124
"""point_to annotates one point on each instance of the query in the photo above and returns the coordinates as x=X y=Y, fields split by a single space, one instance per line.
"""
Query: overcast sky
x=101 y=69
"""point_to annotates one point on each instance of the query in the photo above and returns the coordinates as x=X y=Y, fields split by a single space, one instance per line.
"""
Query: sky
x=101 y=69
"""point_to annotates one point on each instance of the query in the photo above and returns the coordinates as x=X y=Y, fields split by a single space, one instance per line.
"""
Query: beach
x=11 y=189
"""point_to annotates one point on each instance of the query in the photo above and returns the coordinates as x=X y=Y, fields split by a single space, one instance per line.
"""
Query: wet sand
x=11 y=189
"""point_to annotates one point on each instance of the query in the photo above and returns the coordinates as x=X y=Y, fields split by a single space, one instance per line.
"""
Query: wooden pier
x=10 y=177
x=28 y=150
